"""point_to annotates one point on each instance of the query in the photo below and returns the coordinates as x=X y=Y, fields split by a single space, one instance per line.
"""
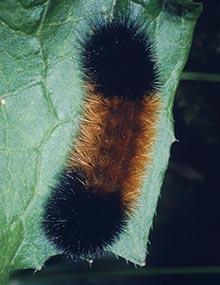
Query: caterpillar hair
x=97 y=191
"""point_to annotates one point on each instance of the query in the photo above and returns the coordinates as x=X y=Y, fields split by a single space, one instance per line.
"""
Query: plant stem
x=199 y=76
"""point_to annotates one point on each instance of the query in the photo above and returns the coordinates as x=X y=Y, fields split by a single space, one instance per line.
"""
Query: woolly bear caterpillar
x=98 y=189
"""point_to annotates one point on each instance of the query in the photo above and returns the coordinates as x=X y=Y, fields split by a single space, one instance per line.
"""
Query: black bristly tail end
x=79 y=221
x=117 y=60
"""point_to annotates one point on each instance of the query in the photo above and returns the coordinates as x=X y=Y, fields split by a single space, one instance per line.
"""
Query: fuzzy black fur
x=80 y=221
x=117 y=61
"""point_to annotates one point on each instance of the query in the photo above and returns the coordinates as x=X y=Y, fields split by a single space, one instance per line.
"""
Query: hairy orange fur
x=115 y=143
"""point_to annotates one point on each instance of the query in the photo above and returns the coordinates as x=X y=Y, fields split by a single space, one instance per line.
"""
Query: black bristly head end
x=80 y=221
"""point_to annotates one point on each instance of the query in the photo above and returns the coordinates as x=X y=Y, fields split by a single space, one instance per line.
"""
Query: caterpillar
x=97 y=191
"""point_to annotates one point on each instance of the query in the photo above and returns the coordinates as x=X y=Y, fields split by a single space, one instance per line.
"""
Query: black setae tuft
x=117 y=61
x=79 y=221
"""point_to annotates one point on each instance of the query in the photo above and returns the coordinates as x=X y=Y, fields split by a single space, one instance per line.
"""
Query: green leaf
x=40 y=98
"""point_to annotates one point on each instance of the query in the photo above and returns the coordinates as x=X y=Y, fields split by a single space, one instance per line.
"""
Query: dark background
x=186 y=232
x=187 y=226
